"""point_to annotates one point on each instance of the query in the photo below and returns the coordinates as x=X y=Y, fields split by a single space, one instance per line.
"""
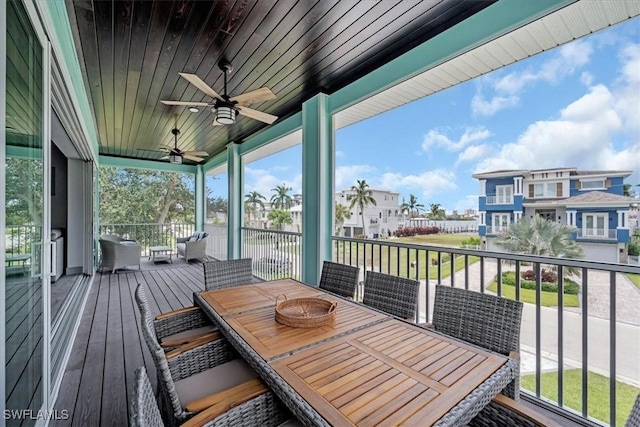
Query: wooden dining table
x=365 y=368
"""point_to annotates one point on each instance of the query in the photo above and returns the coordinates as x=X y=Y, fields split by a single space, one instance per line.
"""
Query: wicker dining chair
x=191 y=377
x=179 y=327
x=634 y=416
x=340 y=279
x=258 y=411
x=224 y=274
x=392 y=294
x=487 y=321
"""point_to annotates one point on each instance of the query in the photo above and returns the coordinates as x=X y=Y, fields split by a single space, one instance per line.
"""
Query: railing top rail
x=147 y=223
x=266 y=230
x=594 y=265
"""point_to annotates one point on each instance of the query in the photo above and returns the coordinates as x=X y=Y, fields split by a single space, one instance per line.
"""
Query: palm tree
x=541 y=237
x=281 y=200
x=341 y=213
x=435 y=211
x=252 y=200
x=362 y=196
x=411 y=206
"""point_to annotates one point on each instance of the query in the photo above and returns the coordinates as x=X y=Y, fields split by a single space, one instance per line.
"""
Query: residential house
x=591 y=201
x=379 y=221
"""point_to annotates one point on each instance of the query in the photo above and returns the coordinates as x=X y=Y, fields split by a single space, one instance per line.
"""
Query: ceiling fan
x=175 y=155
x=226 y=107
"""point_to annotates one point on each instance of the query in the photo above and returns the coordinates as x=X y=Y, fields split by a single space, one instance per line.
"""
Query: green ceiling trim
x=24 y=152
x=218 y=160
x=145 y=164
x=54 y=14
x=271 y=133
x=491 y=22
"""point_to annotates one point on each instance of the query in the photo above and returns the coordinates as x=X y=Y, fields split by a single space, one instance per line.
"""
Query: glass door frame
x=38 y=28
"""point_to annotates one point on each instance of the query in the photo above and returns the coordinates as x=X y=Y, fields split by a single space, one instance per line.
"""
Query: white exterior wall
x=376 y=218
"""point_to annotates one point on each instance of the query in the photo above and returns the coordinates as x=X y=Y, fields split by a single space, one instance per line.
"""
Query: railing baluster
x=517 y=273
x=560 y=335
x=466 y=272
x=538 y=328
x=612 y=348
x=499 y=275
x=452 y=268
x=585 y=342
x=482 y=274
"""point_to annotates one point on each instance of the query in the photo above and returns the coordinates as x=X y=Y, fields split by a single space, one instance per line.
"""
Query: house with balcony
x=381 y=220
x=591 y=201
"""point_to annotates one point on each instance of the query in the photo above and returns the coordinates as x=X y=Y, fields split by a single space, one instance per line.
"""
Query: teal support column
x=201 y=204
x=317 y=186
x=234 y=218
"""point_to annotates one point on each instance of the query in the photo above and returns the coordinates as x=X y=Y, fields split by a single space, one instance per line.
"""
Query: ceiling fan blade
x=196 y=153
x=164 y=158
x=189 y=103
x=258 y=95
x=194 y=158
x=200 y=84
x=258 y=115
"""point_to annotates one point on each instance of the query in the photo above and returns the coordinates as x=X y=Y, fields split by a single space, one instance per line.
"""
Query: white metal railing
x=499 y=200
x=597 y=233
x=217 y=240
x=147 y=235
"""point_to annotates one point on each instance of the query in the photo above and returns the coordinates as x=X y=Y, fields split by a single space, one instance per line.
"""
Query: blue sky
x=577 y=105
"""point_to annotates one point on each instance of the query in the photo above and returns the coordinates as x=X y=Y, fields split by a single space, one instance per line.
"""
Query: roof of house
x=597 y=197
x=601 y=172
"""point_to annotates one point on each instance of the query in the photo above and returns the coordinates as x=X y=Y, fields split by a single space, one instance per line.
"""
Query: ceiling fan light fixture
x=175 y=159
x=225 y=114
x=194 y=109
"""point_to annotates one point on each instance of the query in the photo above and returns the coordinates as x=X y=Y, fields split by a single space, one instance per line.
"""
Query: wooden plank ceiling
x=132 y=51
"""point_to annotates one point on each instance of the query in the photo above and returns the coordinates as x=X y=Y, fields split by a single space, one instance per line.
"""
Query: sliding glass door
x=25 y=220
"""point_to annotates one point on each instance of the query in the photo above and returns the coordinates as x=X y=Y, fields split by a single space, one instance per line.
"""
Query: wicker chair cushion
x=181 y=246
x=214 y=380
x=392 y=294
x=189 y=334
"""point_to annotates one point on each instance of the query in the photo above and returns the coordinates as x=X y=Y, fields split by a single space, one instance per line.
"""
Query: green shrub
x=471 y=241
x=634 y=248
x=570 y=287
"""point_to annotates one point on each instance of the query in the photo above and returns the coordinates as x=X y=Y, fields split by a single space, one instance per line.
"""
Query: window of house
x=538 y=190
x=589 y=185
x=595 y=224
x=500 y=221
x=504 y=194
x=551 y=189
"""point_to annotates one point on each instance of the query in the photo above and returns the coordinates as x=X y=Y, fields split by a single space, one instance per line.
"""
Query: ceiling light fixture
x=225 y=114
x=193 y=109
x=175 y=159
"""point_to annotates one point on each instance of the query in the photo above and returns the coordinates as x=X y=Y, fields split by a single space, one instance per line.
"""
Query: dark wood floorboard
x=97 y=383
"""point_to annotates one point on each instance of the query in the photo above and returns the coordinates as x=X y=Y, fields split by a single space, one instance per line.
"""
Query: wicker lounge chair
x=193 y=247
x=340 y=279
x=392 y=294
x=257 y=411
x=224 y=274
x=118 y=252
x=193 y=376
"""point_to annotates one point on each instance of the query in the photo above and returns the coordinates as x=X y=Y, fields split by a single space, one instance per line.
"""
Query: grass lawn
x=597 y=394
x=549 y=299
x=454 y=240
x=397 y=261
x=635 y=278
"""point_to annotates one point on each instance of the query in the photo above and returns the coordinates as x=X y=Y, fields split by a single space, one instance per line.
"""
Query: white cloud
x=565 y=61
x=339 y=153
x=582 y=136
x=586 y=78
x=262 y=181
x=482 y=107
x=427 y=183
x=470 y=135
x=473 y=152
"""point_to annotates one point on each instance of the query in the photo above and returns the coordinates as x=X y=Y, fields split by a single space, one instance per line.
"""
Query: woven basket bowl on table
x=305 y=312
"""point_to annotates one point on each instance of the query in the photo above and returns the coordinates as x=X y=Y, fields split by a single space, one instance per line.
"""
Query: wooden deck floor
x=109 y=347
